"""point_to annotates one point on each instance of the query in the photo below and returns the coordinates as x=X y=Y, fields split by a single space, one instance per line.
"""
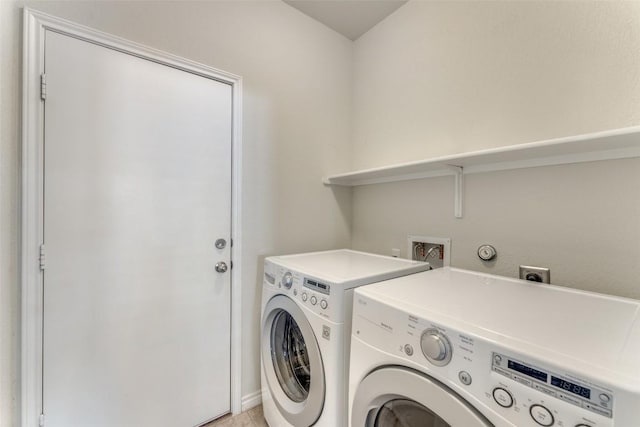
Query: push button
x=326 y=332
x=522 y=380
x=408 y=349
x=541 y=415
x=324 y=304
x=313 y=300
x=464 y=377
x=502 y=397
x=304 y=297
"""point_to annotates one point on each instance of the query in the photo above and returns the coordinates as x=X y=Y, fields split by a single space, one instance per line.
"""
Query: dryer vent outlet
x=434 y=250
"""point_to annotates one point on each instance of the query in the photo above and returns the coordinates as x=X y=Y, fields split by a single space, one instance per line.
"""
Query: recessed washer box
x=434 y=250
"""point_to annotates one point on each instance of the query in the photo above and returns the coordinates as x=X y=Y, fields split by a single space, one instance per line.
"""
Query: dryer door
x=395 y=396
x=292 y=362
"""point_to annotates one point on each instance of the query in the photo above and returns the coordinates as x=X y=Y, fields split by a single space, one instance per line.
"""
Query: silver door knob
x=221 y=267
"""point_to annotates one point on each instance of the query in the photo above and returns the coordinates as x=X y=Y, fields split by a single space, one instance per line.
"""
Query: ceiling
x=351 y=18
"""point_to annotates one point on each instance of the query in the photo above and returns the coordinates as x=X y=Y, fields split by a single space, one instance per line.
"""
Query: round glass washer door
x=401 y=397
x=292 y=362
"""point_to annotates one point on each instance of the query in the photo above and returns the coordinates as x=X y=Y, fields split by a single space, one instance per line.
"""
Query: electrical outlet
x=535 y=274
x=434 y=250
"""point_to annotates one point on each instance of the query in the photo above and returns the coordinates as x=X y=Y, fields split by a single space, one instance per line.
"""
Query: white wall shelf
x=607 y=145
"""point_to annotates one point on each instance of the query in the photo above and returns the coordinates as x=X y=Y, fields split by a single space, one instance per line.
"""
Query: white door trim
x=35 y=25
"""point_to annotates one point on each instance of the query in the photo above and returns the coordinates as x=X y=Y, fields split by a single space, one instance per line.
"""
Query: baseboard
x=250 y=400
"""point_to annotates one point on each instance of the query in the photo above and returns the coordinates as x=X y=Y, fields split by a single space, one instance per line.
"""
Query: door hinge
x=41 y=420
x=42 y=258
x=43 y=86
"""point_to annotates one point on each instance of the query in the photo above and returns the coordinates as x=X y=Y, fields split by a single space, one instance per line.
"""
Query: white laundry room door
x=137 y=189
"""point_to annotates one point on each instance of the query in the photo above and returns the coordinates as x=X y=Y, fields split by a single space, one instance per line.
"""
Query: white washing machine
x=306 y=327
x=456 y=348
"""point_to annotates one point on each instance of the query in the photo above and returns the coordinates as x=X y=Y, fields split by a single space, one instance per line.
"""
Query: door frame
x=31 y=277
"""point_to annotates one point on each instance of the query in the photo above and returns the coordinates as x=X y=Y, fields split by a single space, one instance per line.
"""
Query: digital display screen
x=571 y=387
x=316 y=286
x=526 y=370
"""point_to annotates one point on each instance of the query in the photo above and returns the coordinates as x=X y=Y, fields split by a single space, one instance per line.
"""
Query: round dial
x=287 y=280
x=436 y=347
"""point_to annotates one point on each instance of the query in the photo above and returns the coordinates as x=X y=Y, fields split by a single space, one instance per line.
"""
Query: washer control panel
x=310 y=292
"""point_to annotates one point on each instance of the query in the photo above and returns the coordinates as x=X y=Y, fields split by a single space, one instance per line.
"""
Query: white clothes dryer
x=306 y=328
x=454 y=348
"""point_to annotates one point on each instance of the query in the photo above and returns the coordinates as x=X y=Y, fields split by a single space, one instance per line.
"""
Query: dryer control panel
x=577 y=391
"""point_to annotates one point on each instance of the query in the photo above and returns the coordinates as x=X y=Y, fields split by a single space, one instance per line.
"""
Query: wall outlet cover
x=535 y=274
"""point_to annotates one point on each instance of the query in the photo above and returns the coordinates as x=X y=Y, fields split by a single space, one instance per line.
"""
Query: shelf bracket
x=457 y=190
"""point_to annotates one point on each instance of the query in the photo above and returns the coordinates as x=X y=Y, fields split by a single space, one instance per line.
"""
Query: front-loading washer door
x=400 y=397
x=292 y=362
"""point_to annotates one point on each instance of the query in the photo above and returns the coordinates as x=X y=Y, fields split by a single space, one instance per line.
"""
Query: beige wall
x=297 y=104
x=440 y=78
x=9 y=293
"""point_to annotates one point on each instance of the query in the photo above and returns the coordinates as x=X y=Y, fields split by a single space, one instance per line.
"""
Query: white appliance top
x=347 y=268
x=545 y=320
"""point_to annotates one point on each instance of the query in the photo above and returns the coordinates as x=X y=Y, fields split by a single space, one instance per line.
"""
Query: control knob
x=287 y=280
x=436 y=347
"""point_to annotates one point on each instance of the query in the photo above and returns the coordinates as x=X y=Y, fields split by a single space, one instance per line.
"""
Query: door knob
x=221 y=267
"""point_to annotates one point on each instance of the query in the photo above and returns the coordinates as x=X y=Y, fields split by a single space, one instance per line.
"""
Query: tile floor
x=251 y=418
